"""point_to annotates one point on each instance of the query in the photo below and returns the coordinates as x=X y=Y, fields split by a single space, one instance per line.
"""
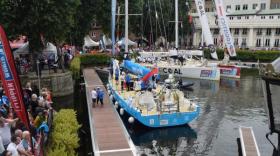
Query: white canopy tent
x=130 y=43
x=107 y=41
x=49 y=51
x=88 y=42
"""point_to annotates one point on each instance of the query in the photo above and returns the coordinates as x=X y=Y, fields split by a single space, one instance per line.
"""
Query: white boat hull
x=207 y=73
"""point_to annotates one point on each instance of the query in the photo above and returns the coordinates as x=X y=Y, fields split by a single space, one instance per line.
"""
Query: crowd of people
x=15 y=138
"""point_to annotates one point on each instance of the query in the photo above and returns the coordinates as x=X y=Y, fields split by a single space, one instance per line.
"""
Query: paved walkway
x=109 y=136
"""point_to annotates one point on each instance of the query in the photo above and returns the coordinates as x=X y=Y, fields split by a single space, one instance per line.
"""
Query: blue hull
x=163 y=120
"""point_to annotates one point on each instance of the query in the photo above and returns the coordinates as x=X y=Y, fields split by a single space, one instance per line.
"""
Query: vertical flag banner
x=205 y=27
x=10 y=78
x=223 y=24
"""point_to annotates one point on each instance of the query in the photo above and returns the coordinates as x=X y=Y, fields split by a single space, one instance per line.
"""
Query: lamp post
x=271 y=89
x=38 y=70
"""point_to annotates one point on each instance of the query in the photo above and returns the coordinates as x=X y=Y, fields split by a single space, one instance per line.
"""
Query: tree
x=83 y=20
x=51 y=19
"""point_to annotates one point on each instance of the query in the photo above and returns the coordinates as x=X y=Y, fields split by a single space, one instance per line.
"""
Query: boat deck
x=184 y=106
x=109 y=136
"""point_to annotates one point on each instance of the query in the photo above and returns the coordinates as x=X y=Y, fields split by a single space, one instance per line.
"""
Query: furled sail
x=205 y=27
x=223 y=24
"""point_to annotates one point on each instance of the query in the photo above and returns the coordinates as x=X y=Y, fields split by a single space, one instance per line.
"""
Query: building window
x=259 y=31
x=243 y=43
x=267 y=42
x=215 y=41
x=258 y=43
x=262 y=17
x=245 y=7
x=207 y=9
x=255 y=6
x=236 y=31
x=268 y=31
x=263 y=5
x=231 y=17
x=228 y=7
x=246 y=17
x=244 y=32
x=216 y=31
x=270 y=17
x=239 y=17
x=276 y=43
x=277 y=31
x=235 y=41
x=237 y=7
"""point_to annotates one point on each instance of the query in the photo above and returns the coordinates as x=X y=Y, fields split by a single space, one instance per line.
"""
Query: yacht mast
x=126 y=26
x=176 y=24
x=113 y=25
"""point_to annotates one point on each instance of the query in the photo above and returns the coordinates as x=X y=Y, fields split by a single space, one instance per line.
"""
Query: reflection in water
x=225 y=105
x=231 y=83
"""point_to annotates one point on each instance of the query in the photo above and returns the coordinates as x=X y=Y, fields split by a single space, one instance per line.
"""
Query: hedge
x=75 y=67
x=64 y=136
x=247 y=55
x=96 y=59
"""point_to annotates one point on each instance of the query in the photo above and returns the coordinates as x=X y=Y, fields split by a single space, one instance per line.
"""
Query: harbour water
x=225 y=106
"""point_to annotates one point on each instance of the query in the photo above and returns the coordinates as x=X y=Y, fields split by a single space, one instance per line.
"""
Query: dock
x=108 y=134
x=248 y=142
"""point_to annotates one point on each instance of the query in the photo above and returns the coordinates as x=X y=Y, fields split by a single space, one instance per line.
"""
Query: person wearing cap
x=93 y=97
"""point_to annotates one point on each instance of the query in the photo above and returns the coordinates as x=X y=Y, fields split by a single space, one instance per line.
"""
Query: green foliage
x=247 y=55
x=88 y=60
x=75 y=67
x=64 y=137
x=82 y=24
x=50 y=18
x=95 y=59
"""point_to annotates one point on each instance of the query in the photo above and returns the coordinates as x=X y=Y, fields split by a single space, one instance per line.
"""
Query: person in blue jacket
x=100 y=95
x=127 y=81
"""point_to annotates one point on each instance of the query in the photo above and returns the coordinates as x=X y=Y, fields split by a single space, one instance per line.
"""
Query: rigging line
x=162 y=19
x=150 y=22
x=146 y=21
x=157 y=21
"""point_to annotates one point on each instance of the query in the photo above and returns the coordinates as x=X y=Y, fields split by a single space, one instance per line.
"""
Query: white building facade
x=254 y=24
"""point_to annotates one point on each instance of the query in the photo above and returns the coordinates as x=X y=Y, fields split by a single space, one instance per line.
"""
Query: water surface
x=225 y=106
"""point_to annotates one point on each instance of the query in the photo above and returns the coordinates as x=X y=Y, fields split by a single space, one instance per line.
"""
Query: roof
x=254 y=12
x=247 y=12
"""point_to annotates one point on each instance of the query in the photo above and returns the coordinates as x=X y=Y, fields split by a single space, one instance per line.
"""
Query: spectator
x=122 y=80
x=127 y=81
x=24 y=147
x=6 y=153
x=40 y=108
x=100 y=95
x=93 y=97
x=18 y=133
x=12 y=147
x=2 y=148
x=5 y=130
x=33 y=105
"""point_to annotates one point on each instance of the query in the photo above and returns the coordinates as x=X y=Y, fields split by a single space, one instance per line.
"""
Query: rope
x=163 y=23
x=150 y=22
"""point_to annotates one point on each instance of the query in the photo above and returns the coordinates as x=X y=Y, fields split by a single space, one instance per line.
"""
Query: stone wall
x=60 y=84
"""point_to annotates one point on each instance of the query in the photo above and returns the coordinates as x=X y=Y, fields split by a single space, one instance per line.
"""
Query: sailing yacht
x=152 y=104
x=186 y=67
